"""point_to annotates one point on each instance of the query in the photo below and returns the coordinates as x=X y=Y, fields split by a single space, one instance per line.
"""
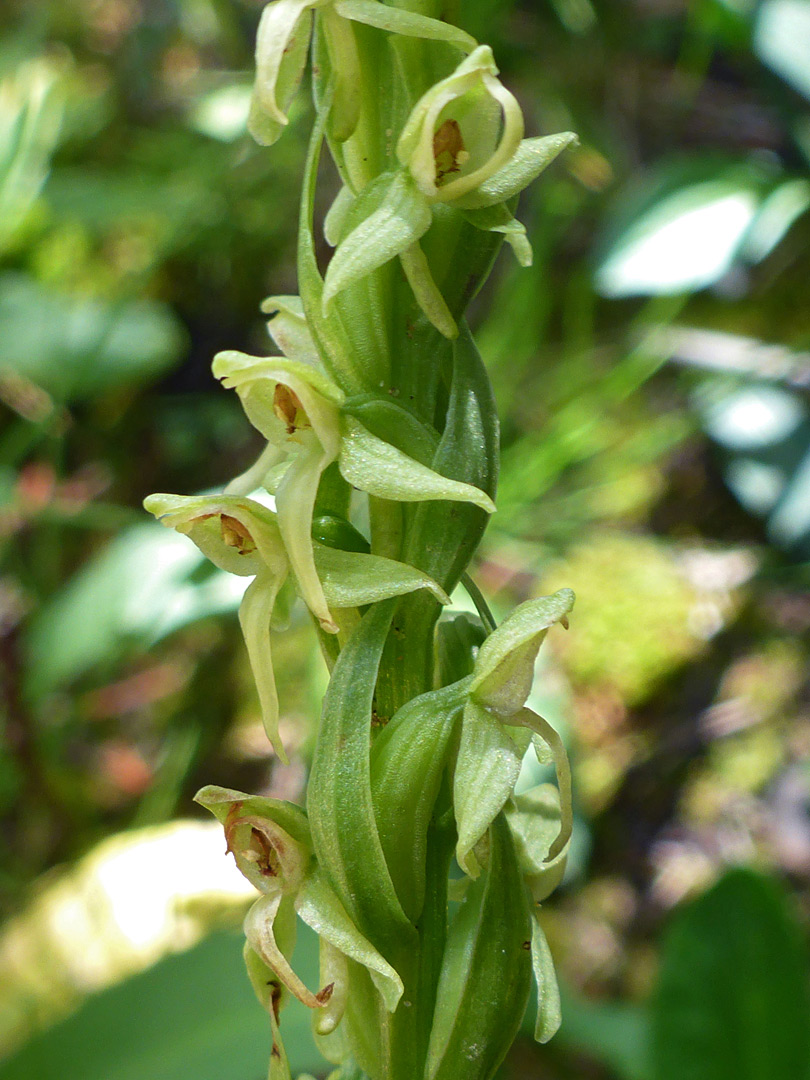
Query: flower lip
x=268 y=856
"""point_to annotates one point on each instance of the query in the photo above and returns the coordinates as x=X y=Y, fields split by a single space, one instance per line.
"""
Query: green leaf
x=194 y=1014
x=334 y=223
x=402 y=218
x=408 y=759
x=732 y=1000
x=341 y=813
x=680 y=233
x=486 y=971
x=781 y=38
x=346 y=76
x=351 y=579
x=78 y=349
x=145 y=584
x=459 y=638
x=402 y=21
x=487 y=766
x=31 y=106
x=529 y=160
x=379 y=468
x=393 y=423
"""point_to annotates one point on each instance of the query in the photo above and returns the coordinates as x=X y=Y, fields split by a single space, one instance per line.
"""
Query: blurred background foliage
x=653 y=371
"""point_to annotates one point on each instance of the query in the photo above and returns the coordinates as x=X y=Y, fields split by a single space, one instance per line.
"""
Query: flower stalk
x=414 y=861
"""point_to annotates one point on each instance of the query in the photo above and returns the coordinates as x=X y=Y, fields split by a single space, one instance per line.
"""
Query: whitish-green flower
x=462 y=144
x=282 y=45
x=243 y=537
x=271 y=843
x=490 y=750
x=297 y=408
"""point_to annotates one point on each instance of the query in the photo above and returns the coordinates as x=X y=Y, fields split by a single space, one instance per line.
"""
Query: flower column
x=380 y=397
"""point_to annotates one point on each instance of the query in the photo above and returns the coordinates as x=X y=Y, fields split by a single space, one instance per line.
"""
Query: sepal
x=486 y=769
x=535 y=819
x=401 y=21
x=530 y=159
x=504 y=668
x=498 y=219
x=269 y=838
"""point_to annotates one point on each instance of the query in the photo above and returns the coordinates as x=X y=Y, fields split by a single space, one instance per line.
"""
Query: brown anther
x=263 y=854
x=448 y=149
x=286 y=406
x=564 y=622
x=323 y=995
x=235 y=535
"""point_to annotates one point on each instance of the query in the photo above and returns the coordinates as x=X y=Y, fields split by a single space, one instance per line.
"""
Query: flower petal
x=498 y=219
x=289 y=330
x=295 y=502
x=260 y=931
x=427 y=292
x=504 y=668
x=282 y=43
x=255 y=612
x=487 y=766
x=528 y=161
